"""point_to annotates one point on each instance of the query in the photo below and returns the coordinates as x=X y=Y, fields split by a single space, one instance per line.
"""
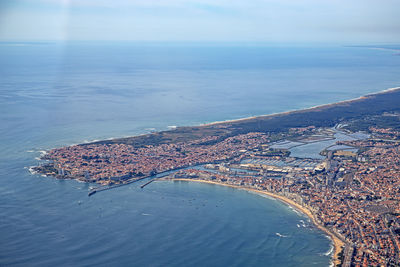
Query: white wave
x=31 y=170
x=261 y=195
x=172 y=127
x=298 y=225
x=30 y=151
x=280 y=235
x=390 y=89
x=330 y=251
x=302 y=223
x=295 y=210
x=146 y=214
x=86 y=141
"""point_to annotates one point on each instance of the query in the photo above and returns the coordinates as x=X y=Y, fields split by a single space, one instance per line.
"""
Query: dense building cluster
x=118 y=163
x=356 y=198
x=355 y=195
x=363 y=204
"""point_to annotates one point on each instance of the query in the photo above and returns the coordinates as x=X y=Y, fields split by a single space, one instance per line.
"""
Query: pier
x=149 y=182
x=104 y=188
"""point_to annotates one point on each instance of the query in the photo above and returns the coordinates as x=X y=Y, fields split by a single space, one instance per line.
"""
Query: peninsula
x=351 y=190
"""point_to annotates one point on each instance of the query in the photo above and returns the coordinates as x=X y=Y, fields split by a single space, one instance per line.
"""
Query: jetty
x=104 y=188
x=149 y=182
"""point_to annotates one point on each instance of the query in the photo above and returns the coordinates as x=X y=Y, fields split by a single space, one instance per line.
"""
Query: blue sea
x=57 y=94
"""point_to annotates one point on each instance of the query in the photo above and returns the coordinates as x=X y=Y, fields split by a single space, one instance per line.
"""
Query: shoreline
x=300 y=110
x=338 y=244
x=344 y=110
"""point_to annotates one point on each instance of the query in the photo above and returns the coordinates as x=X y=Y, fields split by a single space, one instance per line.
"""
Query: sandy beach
x=303 y=109
x=337 y=243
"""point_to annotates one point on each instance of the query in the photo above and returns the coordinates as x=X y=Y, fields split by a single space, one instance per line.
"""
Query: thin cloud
x=226 y=20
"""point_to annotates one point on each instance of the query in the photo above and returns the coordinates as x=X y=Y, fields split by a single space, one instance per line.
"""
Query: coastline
x=388 y=90
x=338 y=244
x=320 y=116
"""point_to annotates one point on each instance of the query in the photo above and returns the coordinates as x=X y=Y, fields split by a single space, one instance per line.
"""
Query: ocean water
x=56 y=94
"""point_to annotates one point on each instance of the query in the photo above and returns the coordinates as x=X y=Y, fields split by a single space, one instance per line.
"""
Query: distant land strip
x=320 y=116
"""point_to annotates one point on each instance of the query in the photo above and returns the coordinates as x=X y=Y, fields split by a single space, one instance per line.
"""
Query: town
x=356 y=197
x=352 y=191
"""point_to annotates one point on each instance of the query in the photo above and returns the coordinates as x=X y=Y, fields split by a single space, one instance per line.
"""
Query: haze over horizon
x=271 y=21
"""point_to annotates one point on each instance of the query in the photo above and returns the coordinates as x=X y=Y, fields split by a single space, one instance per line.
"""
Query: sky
x=270 y=21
